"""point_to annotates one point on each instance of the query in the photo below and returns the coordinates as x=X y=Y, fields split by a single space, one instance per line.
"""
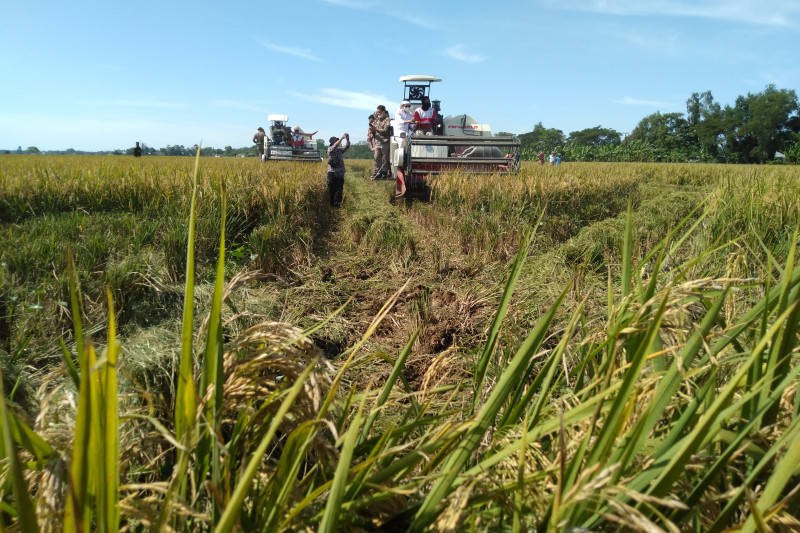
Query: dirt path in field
x=363 y=254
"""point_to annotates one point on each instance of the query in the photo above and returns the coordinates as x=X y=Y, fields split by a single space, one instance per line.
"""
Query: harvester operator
x=424 y=118
x=298 y=140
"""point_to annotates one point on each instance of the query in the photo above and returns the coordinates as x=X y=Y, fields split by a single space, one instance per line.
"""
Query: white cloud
x=766 y=12
x=352 y=4
x=648 y=103
x=458 y=52
x=349 y=99
x=662 y=43
x=304 y=53
x=405 y=15
x=421 y=22
x=131 y=103
x=233 y=104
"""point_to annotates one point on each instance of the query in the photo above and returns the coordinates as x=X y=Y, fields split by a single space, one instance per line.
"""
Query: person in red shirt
x=424 y=118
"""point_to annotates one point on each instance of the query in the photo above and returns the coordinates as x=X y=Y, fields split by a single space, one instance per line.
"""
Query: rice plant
x=670 y=412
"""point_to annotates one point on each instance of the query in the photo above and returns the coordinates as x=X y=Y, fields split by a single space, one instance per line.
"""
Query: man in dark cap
x=258 y=138
x=381 y=130
x=336 y=168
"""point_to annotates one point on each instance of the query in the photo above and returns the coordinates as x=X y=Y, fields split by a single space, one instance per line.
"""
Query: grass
x=594 y=346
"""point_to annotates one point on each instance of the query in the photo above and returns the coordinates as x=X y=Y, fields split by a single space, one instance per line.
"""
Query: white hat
x=404 y=102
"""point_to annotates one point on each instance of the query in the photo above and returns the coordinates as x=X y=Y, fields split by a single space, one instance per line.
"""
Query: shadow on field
x=325 y=223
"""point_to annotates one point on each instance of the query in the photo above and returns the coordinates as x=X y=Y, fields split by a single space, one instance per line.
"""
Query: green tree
x=32 y=150
x=708 y=123
x=762 y=124
x=359 y=150
x=596 y=136
x=542 y=138
x=669 y=133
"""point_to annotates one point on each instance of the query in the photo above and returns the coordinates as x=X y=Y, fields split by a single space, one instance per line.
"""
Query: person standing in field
x=540 y=156
x=552 y=158
x=137 y=150
x=336 y=168
x=380 y=127
x=258 y=138
x=370 y=134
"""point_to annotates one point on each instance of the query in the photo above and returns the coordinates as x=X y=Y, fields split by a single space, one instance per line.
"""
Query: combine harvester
x=281 y=147
x=457 y=143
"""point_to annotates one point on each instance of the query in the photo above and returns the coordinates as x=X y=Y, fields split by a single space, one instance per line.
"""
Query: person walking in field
x=258 y=138
x=381 y=130
x=336 y=168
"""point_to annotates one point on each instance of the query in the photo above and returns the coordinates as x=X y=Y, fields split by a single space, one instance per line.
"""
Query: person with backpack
x=258 y=139
x=336 y=168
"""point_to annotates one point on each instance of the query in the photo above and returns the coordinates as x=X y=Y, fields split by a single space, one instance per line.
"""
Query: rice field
x=208 y=346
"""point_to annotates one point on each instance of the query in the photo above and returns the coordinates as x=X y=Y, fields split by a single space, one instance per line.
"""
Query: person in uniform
x=336 y=168
x=381 y=130
x=258 y=139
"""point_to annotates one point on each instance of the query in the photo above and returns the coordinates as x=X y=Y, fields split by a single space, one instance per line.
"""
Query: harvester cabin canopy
x=417 y=87
x=278 y=118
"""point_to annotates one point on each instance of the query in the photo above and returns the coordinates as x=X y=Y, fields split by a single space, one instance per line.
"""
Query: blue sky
x=101 y=75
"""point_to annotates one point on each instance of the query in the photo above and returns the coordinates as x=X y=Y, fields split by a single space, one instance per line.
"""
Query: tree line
x=758 y=128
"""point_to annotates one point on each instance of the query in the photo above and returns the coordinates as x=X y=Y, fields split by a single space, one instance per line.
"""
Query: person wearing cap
x=401 y=126
x=336 y=168
x=370 y=134
x=381 y=128
x=403 y=119
x=424 y=117
x=258 y=138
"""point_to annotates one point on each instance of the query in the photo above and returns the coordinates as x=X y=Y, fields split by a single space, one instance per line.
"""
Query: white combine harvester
x=280 y=146
x=456 y=142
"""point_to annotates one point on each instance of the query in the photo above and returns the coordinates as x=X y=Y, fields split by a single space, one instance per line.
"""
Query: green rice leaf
x=234 y=507
x=330 y=518
x=25 y=510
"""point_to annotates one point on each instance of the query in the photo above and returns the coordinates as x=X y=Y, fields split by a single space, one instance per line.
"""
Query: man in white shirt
x=403 y=118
